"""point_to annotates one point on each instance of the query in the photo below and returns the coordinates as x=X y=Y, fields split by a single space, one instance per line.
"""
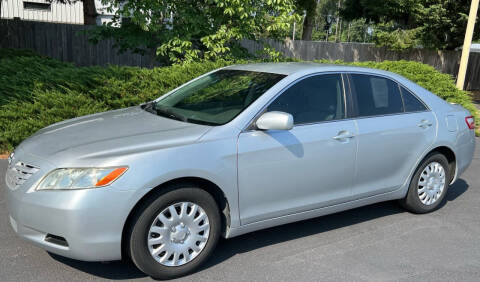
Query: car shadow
x=454 y=191
x=292 y=231
x=113 y=270
x=120 y=270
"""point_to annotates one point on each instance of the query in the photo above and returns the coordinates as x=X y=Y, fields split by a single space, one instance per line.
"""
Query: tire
x=417 y=199
x=147 y=218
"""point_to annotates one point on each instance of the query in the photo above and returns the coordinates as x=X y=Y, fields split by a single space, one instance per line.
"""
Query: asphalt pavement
x=374 y=243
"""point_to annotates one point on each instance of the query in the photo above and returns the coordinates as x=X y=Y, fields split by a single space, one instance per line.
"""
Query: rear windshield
x=217 y=98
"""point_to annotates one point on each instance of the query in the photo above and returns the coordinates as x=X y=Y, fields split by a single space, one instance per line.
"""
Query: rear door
x=394 y=129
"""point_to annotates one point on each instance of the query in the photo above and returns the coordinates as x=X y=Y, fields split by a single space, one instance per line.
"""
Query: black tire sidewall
x=138 y=244
x=412 y=201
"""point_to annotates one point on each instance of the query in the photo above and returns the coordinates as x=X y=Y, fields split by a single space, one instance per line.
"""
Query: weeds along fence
x=69 y=42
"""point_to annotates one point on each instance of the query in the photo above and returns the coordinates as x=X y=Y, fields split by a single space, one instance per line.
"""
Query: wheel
x=174 y=232
x=429 y=184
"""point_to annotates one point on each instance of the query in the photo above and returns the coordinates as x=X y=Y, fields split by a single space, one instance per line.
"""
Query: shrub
x=36 y=91
x=19 y=75
x=20 y=119
x=9 y=52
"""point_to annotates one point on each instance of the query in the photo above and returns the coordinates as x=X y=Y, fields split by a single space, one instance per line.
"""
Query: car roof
x=289 y=68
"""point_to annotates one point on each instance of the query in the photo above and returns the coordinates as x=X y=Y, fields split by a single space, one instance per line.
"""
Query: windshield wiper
x=149 y=107
x=204 y=122
x=166 y=112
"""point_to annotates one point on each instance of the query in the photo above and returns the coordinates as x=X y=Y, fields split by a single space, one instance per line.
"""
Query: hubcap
x=178 y=234
x=431 y=183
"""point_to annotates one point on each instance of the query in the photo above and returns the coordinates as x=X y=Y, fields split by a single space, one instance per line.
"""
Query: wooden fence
x=69 y=43
x=444 y=61
x=66 y=42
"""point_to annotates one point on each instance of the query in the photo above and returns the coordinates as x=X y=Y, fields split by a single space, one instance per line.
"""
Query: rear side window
x=376 y=95
x=412 y=104
x=313 y=99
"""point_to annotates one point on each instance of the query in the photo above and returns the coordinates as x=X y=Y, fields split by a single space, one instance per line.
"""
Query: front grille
x=19 y=173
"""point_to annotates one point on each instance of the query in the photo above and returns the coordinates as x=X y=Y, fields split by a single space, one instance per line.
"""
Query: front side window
x=313 y=99
x=217 y=98
x=376 y=95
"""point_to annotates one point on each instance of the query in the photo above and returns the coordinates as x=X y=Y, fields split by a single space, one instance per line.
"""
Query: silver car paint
x=285 y=166
x=296 y=170
x=389 y=145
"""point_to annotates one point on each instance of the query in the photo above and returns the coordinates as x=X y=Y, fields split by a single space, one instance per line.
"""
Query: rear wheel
x=174 y=233
x=429 y=184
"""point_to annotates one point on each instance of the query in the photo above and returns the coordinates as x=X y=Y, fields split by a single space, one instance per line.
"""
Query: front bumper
x=91 y=220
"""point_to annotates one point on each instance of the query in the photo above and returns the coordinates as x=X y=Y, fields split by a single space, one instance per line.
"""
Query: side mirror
x=275 y=121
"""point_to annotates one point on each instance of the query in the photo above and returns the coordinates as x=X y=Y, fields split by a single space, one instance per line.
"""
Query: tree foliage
x=184 y=31
x=397 y=39
x=436 y=24
x=327 y=11
x=326 y=20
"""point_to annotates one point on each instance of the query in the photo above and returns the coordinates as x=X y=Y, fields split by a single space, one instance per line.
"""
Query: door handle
x=342 y=135
x=425 y=123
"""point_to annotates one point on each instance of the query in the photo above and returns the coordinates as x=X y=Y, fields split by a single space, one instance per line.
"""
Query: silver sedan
x=235 y=150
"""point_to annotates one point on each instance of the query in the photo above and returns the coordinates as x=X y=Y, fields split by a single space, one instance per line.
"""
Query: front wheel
x=429 y=184
x=175 y=232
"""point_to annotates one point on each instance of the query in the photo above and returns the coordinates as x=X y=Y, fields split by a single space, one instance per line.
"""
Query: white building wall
x=47 y=12
x=475 y=48
x=104 y=16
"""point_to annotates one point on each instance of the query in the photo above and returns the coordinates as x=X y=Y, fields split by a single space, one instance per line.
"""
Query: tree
x=89 y=12
x=323 y=15
x=309 y=7
x=402 y=12
x=436 y=24
x=328 y=16
x=356 y=31
x=180 y=31
x=338 y=21
x=397 y=39
x=445 y=23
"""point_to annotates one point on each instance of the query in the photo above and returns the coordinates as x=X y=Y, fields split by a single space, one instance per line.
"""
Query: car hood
x=112 y=133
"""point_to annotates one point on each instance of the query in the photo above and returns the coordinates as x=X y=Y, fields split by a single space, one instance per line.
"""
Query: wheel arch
x=202 y=183
x=449 y=154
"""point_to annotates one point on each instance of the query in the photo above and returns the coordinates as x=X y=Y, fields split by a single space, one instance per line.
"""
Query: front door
x=308 y=167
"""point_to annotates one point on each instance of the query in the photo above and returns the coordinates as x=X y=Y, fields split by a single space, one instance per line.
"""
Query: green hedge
x=36 y=91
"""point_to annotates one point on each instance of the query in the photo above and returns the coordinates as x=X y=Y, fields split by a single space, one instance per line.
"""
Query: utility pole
x=462 y=71
x=293 y=34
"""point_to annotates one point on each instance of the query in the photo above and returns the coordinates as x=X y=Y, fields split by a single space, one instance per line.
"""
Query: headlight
x=79 y=178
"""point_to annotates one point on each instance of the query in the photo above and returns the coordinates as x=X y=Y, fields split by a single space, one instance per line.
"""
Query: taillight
x=470 y=122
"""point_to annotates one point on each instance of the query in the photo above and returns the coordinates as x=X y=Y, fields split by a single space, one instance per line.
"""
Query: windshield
x=217 y=98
